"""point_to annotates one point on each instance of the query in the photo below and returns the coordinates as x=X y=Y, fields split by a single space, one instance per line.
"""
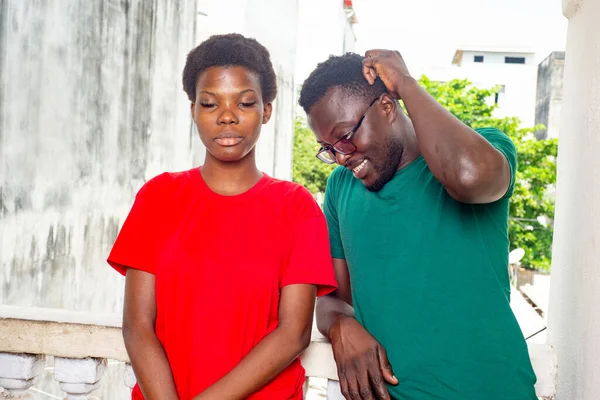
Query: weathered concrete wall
x=549 y=94
x=91 y=107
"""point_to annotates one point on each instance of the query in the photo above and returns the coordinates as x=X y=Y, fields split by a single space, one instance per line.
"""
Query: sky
x=428 y=32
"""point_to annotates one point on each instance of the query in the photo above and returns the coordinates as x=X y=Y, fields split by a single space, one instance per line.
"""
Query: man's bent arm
x=362 y=363
x=469 y=167
x=337 y=304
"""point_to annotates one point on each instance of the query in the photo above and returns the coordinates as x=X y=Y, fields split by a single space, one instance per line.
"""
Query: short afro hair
x=227 y=51
x=344 y=71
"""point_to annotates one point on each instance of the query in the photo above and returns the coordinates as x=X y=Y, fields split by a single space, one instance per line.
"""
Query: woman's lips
x=229 y=141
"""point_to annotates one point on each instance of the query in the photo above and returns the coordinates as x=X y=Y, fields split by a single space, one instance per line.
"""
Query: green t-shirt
x=430 y=282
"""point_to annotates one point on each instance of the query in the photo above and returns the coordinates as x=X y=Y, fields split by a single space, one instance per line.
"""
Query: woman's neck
x=230 y=178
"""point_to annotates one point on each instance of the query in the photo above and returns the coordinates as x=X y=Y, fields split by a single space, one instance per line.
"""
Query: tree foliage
x=532 y=204
x=307 y=170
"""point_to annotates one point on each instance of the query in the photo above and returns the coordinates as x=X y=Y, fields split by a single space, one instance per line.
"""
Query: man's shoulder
x=493 y=134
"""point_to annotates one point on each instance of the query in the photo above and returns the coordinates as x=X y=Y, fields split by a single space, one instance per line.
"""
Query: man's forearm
x=150 y=365
x=260 y=366
x=461 y=159
x=329 y=309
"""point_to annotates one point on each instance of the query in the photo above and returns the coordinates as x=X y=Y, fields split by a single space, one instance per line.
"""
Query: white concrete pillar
x=574 y=310
x=19 y=372
x=79 y=377
x=334 y=392
x=129 y=378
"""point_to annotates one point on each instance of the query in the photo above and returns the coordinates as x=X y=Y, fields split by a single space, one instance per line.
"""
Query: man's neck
x=411 y=150
x=408 y=159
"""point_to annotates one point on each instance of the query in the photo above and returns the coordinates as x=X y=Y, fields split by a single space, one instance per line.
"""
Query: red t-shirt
x=220 y=263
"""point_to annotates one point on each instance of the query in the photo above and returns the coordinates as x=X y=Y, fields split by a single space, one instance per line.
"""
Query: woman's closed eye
x=241 y=104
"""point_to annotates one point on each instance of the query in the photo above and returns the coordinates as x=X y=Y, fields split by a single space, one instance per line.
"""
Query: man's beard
x=388 y=167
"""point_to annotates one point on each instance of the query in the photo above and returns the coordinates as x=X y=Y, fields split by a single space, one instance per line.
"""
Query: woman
x=222 y=262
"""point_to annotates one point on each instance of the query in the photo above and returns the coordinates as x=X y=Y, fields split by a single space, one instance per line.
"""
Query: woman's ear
x=267 y=111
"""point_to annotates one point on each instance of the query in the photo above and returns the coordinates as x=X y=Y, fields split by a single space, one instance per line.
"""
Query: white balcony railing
x=81 y=343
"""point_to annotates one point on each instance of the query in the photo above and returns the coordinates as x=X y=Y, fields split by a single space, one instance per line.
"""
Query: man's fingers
x=364 y=386
x=373 y=74
x=368 y=74
x=386 y=367
x=344 y=386
x=374 y=52
x=369 y=70
x=353 y=390
x=355 y=383
x=378 y=383
x=348 y=384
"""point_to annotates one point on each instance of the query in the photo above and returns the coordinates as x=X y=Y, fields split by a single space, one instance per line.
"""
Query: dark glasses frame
x=344 y=145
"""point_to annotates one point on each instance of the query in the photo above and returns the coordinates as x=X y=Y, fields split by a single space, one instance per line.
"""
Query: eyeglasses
x=344 y=145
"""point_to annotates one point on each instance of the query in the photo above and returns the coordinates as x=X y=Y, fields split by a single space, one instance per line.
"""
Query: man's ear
x=267 y=111
x=390 y=106
x=192 y=106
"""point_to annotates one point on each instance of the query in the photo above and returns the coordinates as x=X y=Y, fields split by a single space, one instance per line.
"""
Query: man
x=418 y=221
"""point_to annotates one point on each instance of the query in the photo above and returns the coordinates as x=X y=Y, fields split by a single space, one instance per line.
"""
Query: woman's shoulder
x=296 y=199
x=167 y=178
x=291 y=190
x=167 y=183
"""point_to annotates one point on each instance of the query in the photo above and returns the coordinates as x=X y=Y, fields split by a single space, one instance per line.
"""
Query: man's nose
x=341 y=159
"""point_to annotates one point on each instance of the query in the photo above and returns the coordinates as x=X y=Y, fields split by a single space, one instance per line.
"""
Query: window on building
x=478 y=59
x=514 y=60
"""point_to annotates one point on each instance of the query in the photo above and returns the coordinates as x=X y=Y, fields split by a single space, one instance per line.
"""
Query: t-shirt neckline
x=254 y=190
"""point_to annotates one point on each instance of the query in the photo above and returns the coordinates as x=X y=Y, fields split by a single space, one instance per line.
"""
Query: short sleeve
x=329 y=207
x=135 y=246
x=505 y=145
x=310 y=259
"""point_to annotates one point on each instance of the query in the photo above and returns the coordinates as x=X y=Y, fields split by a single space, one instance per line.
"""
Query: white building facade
x=514 y=70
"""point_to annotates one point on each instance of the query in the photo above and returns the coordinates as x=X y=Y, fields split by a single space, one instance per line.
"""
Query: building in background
x=549 y=94
x=325 y=27
x=514 y=70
